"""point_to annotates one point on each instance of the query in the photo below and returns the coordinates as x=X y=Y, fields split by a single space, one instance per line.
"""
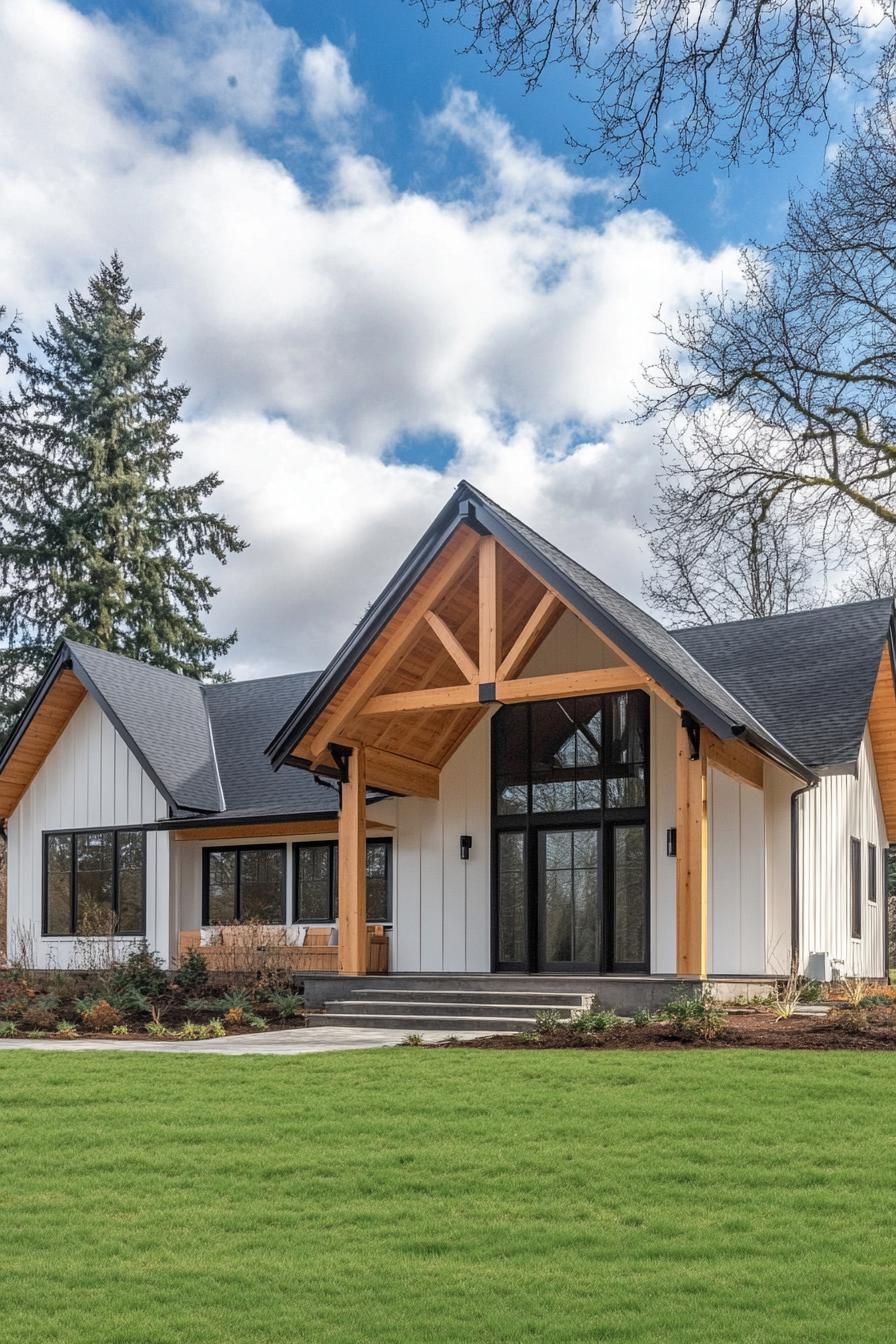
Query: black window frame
x=605 y=819
x=855 y=886
x=333 y=847
x=73 y=832
x=872 y=872
x=208 y=850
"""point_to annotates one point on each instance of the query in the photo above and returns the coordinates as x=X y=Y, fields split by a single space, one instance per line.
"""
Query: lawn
x=414 y=1196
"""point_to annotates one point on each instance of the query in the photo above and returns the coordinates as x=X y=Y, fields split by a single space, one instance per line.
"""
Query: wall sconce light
x=671 y=842
x=466 y=844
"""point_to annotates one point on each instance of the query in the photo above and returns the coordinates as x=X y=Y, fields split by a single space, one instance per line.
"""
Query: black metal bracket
x=487 y=694
x=341 y=755
x=692 y=728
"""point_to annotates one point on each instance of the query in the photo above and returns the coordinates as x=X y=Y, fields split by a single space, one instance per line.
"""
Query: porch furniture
x=249 y=948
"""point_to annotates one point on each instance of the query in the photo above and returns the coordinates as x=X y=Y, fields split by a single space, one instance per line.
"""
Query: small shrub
x=413 y=1038
x=47 y=1002
x=641 y=1018
x=130 y=1002
x=286 y=1003
x=596 y=1019
x=202 y=1005
x=37 y=1035
x=847 y=1018
x=157 y=1029
x=192 y=974
x=66 y=1029
x=8 y=1029
x=190 y=1031
x=856 y=989
x=120 y=1029
x=84 y=1002
x=255 y=1022
x=235 y=998
x=548 y=1020
x=812 y=991
x=101 y=1017
x=142 y=970
x=38 y=1019
x=216 y=1027
x=235 y=1016
x=700 y=1016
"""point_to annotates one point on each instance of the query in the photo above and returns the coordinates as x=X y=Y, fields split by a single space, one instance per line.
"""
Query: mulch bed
x=874 y=1030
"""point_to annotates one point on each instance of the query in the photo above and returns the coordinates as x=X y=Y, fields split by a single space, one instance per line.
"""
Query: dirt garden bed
x=841 y=1028
x=138 y=999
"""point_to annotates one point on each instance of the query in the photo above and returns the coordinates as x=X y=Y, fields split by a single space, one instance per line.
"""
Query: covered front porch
x=551 y=796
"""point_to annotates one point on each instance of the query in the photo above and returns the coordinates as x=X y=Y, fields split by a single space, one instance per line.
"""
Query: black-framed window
x=872 y=873
x=855 y=885
x=244 y=882
x=94 y=882
x=316 y=882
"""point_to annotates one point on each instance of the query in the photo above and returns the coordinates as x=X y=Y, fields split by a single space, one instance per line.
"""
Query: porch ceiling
x=458 y=642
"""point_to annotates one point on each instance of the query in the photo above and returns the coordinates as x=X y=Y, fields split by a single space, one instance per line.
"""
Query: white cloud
x=332 y=94
x=318 y=329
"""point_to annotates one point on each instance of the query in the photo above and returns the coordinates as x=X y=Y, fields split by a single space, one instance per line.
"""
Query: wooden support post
x=692 y=869
x=489 y=611
x=353 y=867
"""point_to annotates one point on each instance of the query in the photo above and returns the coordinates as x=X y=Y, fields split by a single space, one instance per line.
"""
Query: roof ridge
x=182 y=677
x=784 y=615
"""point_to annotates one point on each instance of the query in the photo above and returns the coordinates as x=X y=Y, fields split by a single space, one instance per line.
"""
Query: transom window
x=316 y=895
x=94 y=883
x=244 y=882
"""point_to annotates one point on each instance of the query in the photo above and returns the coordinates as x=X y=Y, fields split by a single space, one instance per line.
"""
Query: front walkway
x=296 y=1041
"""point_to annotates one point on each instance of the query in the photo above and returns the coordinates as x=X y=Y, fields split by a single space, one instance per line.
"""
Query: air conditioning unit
x=819 y=966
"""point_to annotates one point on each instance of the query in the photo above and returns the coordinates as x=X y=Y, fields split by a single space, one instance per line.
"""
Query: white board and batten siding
x=89 y=779
x=736 y=934
x=840 y=807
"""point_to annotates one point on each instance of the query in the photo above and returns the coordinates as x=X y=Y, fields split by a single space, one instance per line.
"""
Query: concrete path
x=296 y=1041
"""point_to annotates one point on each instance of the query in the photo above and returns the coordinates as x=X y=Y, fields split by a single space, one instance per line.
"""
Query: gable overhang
x=881 y=728
x=43 y=720
x=468 y=510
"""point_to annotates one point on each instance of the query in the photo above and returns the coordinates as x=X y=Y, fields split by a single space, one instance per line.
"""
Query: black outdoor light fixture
x=466 y=844
x=671 y=842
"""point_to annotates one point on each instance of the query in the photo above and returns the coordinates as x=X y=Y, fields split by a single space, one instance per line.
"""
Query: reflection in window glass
x=629 y=894
x=627 y=790
x=131 y=864
x=261 y=885
x=379 y=894
x=59 y=884
x=221 y=886
x=314 y=883
x=511 y=759
x=512 y=932
x=95 y=881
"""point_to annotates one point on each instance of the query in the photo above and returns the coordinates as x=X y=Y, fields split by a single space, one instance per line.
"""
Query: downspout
x=795 y=872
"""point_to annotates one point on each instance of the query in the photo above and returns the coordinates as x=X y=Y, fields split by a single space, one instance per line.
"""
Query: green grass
x=412 y=1196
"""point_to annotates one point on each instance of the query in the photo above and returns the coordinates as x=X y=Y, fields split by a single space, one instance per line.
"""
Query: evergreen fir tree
x=96 y=543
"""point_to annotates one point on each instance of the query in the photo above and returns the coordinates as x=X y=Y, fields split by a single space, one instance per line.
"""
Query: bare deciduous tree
x=778 y=405
x=667 y=76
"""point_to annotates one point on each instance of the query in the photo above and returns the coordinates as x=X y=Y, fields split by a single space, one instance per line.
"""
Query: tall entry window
x=570 y=834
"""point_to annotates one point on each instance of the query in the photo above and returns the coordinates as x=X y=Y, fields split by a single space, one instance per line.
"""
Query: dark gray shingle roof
x=807 y=676
x=162 y=717
x=244 y=717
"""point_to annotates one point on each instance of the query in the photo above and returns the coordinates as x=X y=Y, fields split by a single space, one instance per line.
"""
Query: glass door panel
x=629 y=897
x=513 y=901
x=569 y=904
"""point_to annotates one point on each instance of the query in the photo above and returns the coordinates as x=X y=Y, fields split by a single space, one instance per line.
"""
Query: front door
x=569 y=904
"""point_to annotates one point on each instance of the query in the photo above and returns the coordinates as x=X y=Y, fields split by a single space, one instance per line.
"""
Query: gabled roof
x=637 y=634
x=202 y=746
x=807 y=675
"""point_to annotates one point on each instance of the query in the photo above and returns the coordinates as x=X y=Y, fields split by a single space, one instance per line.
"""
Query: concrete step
x=420 y=1006
x=421 y=1022
x=537 y=997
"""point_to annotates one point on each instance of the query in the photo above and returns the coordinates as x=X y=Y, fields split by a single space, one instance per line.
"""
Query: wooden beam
x=489 y=610
x=394 y=646
x=400 y=774
x=530 y=637
x=353 y=867
x=692 y=865
x=734 y=758
x=431 y=697
x=260 y=830
x=597 y=681
x=452 y=646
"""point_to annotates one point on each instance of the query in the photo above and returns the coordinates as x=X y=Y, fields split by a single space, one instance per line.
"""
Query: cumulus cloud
x=324 y=329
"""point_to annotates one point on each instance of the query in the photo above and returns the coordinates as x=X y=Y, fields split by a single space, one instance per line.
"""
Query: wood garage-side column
x=353 y=866
x=692 y=871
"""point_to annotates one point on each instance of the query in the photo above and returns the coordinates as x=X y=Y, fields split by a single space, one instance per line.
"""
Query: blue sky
x=378 y=269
